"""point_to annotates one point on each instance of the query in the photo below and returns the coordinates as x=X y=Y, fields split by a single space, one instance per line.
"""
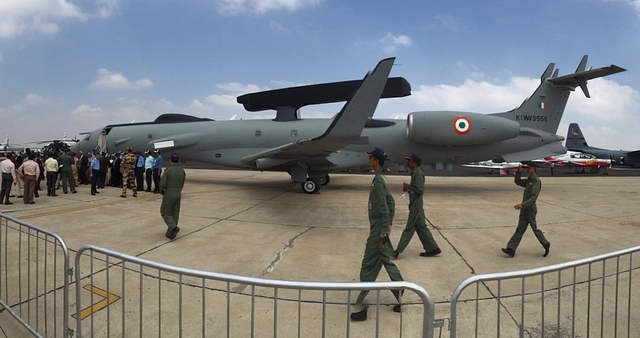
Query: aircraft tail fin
x=575 y=138
x=543 y=110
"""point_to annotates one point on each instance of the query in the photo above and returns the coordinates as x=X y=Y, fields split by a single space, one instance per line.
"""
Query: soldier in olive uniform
x=528 y=210
x=128 y=173
x=171 y=184
x=416 y=221
x=378 y=249
x=66 y=160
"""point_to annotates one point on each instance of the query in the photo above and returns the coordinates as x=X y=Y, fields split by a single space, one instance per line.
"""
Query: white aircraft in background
x=502 y=167
x=570 y=159
x=6 y=147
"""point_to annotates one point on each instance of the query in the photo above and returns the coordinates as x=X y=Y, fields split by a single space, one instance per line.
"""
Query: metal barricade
x=593 y=297
x=123 y=295
x=34 y=277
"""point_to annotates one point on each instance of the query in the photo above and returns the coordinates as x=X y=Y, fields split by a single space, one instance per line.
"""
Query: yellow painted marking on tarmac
x=108 y=298
x=87 y=207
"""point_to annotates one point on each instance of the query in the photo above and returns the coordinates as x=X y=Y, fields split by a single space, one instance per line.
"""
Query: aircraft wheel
x=311 y=186
x=324 y=180
x=491 y=171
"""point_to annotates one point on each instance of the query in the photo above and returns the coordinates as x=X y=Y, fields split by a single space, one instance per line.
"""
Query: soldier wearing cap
x=378 y=249
x=417 y=220
x=528 y=210
x=66 y=161
x=171 y=184
x=128 y=173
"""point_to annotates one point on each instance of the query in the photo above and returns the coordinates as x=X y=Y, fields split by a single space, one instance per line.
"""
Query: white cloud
x=85 y=110
x=222 y=100
x=238 y=88
x=112 y=80
x=23 y=17
x=196 y=104
x=33 y=99
x=262 y=6
x=475 y=96
x=390 y=43
x=19 y=17
x=634 y=3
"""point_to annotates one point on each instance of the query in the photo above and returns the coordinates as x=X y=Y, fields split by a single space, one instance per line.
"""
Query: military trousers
x=170 y=208
x=372 y=262
x=417 y=223
x=527 y=218
x=67 y=175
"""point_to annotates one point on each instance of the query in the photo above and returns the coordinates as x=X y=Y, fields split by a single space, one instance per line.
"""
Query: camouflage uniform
x=128 y=173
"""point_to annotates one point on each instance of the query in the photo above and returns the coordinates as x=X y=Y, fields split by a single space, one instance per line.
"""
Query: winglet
x=548 y=71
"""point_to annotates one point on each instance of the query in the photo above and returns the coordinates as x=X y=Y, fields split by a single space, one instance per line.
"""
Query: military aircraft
x=576 y=160
x=577 y=142
x=6 y=147
x=54 y=146
x=502 y=167
x=310 y=149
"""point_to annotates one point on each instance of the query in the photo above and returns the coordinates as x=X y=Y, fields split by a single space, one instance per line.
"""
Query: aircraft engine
x=447 y=128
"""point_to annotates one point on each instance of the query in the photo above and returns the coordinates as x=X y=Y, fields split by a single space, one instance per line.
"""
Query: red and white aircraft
x=570 y=159
x=577 y=160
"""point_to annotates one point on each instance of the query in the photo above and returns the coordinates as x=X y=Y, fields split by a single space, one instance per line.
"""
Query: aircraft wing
x=539 y=152
x=345 y=129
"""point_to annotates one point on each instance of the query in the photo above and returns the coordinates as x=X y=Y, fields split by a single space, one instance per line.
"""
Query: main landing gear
x=312 y=185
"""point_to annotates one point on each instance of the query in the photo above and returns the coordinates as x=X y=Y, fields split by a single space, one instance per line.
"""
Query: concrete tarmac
x=259 y=224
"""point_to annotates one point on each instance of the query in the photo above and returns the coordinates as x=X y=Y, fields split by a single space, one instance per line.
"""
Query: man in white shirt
x=8 y=170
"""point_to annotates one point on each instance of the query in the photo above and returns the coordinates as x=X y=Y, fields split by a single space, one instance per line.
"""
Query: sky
x=71 y=66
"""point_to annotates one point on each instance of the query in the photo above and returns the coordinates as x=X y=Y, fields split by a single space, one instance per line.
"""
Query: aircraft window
x=294 y=132
x=258 y=133
x=149 y=136
x=87 y=138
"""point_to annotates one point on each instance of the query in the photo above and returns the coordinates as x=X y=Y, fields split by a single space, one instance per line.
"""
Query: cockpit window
x=87 y=137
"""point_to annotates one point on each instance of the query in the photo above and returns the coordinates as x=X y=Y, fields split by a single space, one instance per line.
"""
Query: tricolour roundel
x=461 y=125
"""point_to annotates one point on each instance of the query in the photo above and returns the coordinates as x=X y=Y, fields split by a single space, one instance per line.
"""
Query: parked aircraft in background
x=53 y=146
x=310 y=149
x=576 y=160
x=502 y=167
x=6 y=147
x=576 y=141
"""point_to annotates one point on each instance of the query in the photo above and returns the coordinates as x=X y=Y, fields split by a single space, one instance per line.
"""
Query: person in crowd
x=157 y=171
x=8 y=171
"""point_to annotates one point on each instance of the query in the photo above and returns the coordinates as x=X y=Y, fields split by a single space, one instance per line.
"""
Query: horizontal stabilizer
x=581 y=76
x=551 y=149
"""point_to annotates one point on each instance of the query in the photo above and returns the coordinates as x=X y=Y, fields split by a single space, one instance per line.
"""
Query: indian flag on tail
x=542 y=105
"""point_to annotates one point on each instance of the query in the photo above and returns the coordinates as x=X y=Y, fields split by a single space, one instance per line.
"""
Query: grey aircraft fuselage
x=225 y=143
